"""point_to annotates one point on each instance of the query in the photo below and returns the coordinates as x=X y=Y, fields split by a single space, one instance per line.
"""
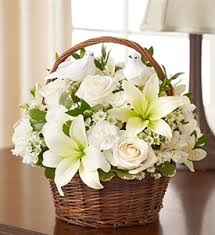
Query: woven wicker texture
x=121 y=202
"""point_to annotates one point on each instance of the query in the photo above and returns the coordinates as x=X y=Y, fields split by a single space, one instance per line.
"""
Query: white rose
x=53 y=90
x=95 y=89
x=103 y=135
x=132 y=154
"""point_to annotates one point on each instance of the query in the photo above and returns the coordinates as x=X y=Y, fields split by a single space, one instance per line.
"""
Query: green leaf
x=151 y=50
x=98 y=64
x=84 y=105
x=103 y=51
x=66 y=127
x=37 y=115
x=124 y=175
x=50 y=173
x=74 y=112
x=82 y=52
x=37 y=126
x=175 y=76
x=96 y=108
x=76 y=56
x=103 y=176
x=33 y=91
x=117 y=68
x=167 y=169
x=24 y=106
x=66 y=100
x=202 y=140
x=190 y=96
x=79 y=110
x=56 y=56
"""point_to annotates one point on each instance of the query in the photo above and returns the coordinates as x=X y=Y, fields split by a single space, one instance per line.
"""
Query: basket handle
x=121 y=41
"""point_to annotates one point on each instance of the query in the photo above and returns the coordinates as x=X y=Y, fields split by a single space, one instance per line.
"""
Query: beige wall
x=30 y=32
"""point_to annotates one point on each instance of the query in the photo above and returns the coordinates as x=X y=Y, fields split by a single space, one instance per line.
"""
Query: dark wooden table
x=26 y=205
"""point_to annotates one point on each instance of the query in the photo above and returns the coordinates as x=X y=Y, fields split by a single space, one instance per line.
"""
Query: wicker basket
x=121 y=202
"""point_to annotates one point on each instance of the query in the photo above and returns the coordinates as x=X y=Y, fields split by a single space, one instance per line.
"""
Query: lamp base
x=195 y=86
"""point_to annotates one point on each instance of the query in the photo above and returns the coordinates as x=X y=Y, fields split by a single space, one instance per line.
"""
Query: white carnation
x=103 y=135
x=23 y=133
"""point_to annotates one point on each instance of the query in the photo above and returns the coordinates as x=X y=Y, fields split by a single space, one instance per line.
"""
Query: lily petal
x=122 y=114
x=135 y=97
x=95 y=159
x=90 y=178
x=65 y=172
x=51 y=159
x=165 y=105
x=189 y=164
x=57 y=141
x=135 y=125
x=160 y=127
x=77 y=131
x=151 y=88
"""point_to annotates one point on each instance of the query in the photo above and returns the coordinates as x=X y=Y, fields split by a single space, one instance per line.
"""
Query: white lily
x=147 y=109
x=68 y=154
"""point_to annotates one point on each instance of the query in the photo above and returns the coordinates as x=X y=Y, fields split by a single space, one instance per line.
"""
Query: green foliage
x=103 y=176
x=167 y=169
x=37 y=114
x=124 y=175
x=56 y=56
x=24 y=106
x=85 y=109
x=66 y=99
x=144 y=60
x=49 y=173
x=66 y=127
x=101 y=62
x=79 y=55
x=74 y=88
x=80 y=109
x=33 y=91
x=165 y=85
x=200 y=142
x=190 y=96
x=37 y=118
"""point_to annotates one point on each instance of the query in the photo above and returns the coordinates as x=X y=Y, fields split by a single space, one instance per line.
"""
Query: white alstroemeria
x=103 y=135
x=179 y=89
x=96 y=89
x=188 y=128
x=23 y=133
x=147 y=109
x=117 y=99
x=132 y=153
x=53 y=90
x=194 y=154
x=68 y=154
x=187 y=110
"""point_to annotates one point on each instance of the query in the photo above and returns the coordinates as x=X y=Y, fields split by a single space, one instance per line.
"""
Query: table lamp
x=195 y=17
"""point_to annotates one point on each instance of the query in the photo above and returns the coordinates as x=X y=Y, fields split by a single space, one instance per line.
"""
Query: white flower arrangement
x=107 y=125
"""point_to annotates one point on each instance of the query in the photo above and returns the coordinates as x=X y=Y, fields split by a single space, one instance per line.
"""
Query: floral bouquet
x=102 y=119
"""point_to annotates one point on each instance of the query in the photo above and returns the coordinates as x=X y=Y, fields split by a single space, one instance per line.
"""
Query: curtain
x=31 y=31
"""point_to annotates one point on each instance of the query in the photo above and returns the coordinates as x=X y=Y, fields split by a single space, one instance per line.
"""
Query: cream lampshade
x=187 y=16
x=195 y=17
